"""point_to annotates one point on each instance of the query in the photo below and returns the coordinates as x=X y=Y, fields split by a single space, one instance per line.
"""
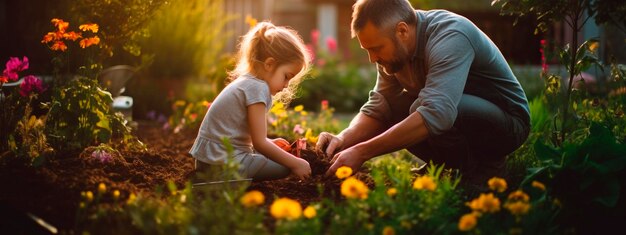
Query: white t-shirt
x=227 y=117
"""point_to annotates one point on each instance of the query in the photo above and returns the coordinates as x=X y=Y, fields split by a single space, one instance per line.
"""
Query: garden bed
x=53 y=192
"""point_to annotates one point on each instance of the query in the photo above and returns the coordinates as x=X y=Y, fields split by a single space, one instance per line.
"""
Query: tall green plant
x=186 y=38
x=574 y=13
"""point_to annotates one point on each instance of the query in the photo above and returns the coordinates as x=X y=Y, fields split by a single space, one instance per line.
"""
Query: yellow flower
x=310 y=137
x=89 y=196
x=517 y=208
x=388 y=230
x=285 y=208
x=309 y=212
x=278 y=109
x=485 y=203
x=252 y=198
x=343 y=172
x=116 y=194
x=593 y=47
x=538 y=185
x=354 y=188
x=519 y=195
x=102 y=188
x=497 y=184
x=298 y=108
x=468 y=222
x=251 y=21
x=131 y=198
x=424 y=183
x=392 y=192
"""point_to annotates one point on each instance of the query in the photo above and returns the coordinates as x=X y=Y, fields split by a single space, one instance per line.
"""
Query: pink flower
x=13 y=66
x=31 y=84
x=315 y=35
x=331 y=44
x=298 y=129
x=324 y=104
x=102 y=156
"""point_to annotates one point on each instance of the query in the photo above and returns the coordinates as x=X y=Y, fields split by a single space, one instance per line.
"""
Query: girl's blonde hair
x=283 y=44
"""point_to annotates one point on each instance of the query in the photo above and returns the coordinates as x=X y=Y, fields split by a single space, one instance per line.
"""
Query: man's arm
x=409 y=131
x=361 y=128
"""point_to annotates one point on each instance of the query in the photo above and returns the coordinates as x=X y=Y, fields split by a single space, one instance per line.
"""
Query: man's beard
x=396 y=63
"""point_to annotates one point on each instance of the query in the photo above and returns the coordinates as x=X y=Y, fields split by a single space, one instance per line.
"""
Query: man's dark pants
x=478 y=143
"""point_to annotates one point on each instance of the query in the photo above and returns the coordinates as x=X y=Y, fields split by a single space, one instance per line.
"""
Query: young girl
x=272 y=61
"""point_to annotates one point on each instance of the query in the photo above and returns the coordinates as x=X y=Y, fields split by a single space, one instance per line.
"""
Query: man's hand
x=350 y=157
x=330 y=142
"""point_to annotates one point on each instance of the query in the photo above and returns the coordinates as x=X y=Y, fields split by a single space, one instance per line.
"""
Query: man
x=444 y=92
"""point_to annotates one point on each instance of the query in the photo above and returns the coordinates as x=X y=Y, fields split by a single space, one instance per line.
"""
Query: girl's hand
x=302 y=169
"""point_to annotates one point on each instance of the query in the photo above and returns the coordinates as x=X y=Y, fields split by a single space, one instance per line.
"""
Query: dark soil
x=52 y=192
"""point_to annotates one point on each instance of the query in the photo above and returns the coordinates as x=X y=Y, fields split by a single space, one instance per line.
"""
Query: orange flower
x=60 y=24
x=497 y=184
x=72 y=36
x=58 y=46
x=48 y=37
x=87 y=42
x=424 y=183
x=89 y=27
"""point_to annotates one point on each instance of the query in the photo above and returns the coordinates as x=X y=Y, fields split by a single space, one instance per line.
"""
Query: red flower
x=31 y=84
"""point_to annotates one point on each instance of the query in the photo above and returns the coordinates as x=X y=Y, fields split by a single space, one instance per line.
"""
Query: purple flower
x=13 y=66
x=31 y=84
x=102 y=156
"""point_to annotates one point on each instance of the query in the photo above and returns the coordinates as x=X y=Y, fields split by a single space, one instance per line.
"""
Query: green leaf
x=546 y=153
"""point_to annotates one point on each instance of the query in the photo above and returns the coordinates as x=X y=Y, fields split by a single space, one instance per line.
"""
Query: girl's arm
x=258 y=131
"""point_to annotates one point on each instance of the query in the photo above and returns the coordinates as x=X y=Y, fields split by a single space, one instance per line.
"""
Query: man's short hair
x=384 y=14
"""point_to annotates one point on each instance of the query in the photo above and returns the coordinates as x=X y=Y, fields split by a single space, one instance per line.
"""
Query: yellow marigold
x=131 y=198
x=517 y=208
x=298 y=108
x=354 y=188
x=388 y=230
x=310 y=137
x=425 y=183
x=468 y=222
x=519 y=195
x=252 y=198
x=497 y=184
x=538 y=185
x=116 y=194
x=343 y=172
x=285 y=208
x=102 y=188
x=309 y=212
x=392 y=192
x=485 y=203
x=89 y=196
